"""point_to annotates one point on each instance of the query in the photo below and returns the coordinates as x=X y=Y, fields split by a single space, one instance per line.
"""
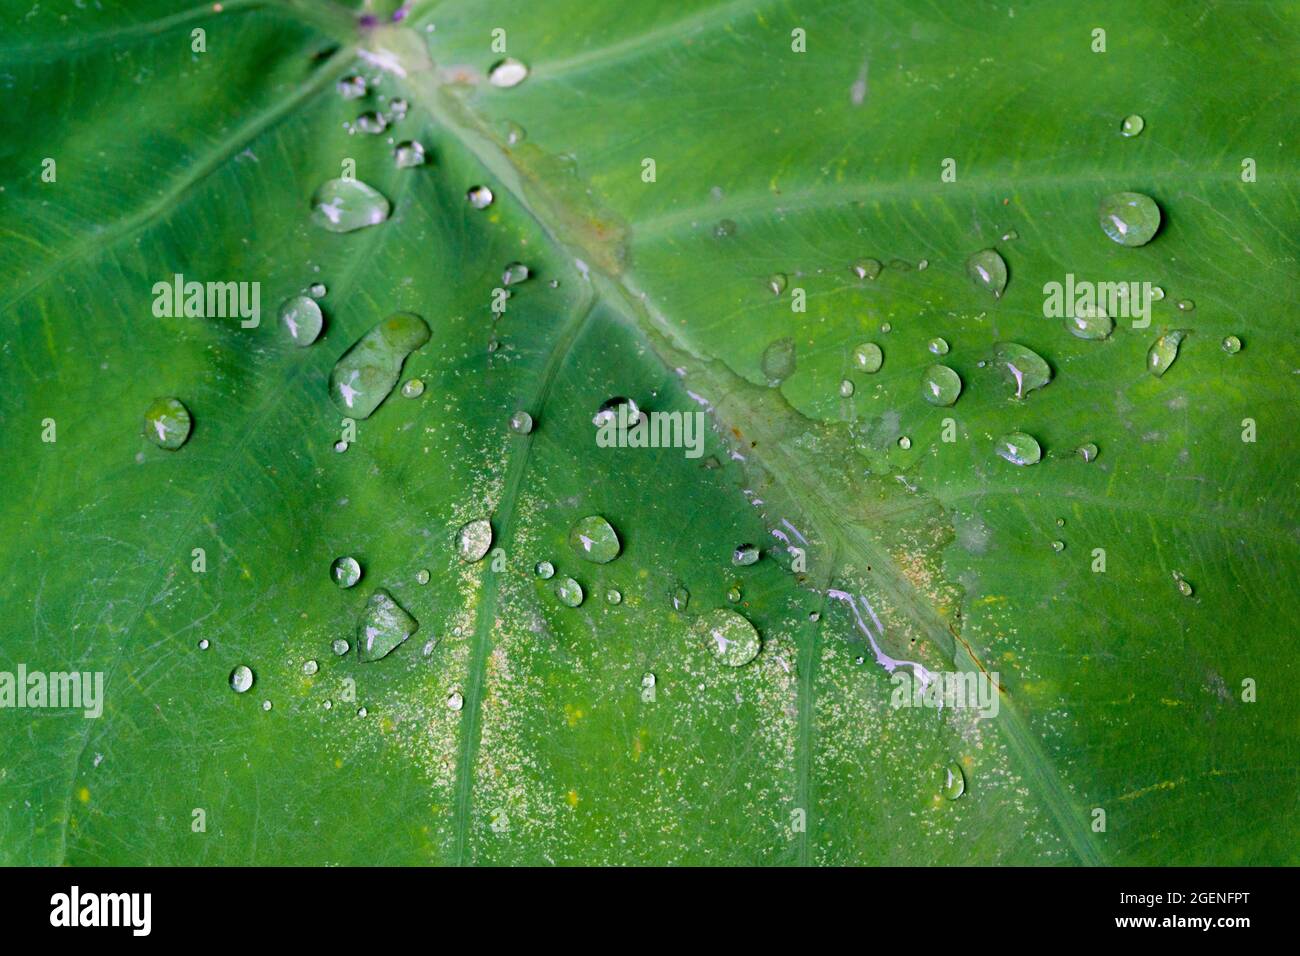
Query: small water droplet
x=455 y=700
x=241 y=679
x=937 y=346
x=745 y=555
x=868 y=358
x=310 y=667
x=473 y=540
x=408 y=154
x=397 y=107
x=1231 y=345
x=1184 y=586
x=1023 y=367
x=1157 y=293
x=1010 y=235
x=513 y=132
x=412 y=388
x=317 y=290
x=345 y=205
x=371 y=123
x=1163 y=352
x=1131 y=219
x=328 y=705
x=648 y=679
x=351 y=87
x=1132 y=125
x=609 y=411
x=1019 y=449
x=988 y=270
x=778 y=361
x=362 y=712
x=940 y=385
x=733 y=594
x=867 y=268
x=384 y=625
x=366 y=373
x=886 y=327
x=422 y=576
x=480 y=197
x=267 y=705
x=569 y=592
x=777 y=282
x=544 y=570
x=595 y=539
x=204 y=645
x=680 y=598
x=340 y=446
x=507 y=73
x=514 y=273
x=1087 y=452
x=846 y=389
x=1186 y=305
x=730 y=637
x=340 y=647
x=345 y=571
x=1094 y=326
x=521 y=423
x=725 y=229
x=167 y=423
x=302 y=319
x=904 y=443
x=1058 y=546
x=953 y=781
x=614 y=596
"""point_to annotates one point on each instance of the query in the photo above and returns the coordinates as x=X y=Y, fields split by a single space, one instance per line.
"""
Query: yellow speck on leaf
x=84 y=795
x=572 y=798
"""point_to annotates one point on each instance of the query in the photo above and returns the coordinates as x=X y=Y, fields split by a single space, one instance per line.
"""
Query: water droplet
x=328 y=705
x=725 y=229
x=867 y=268
x=886 y=327
x=608 y=411
x=731 y=637
x=777 y=282
x=846 y=389
x=594 y=539
x=366 y=373
x=514 y=133
x=867 y=357
x=614 y=596
x=733 y=594
x=1088 y=451
x=1186 y=305
x=953 y=783
x=480 y=197
x=241 y=679
x=204 y=645
x=1094 y=326
x=940 y=385
x=778 y=361
x=310 y=667
x=1183 y=585
x=521 y=423
x=569 y=592
x=351 y=87
x=340 y=446
x=362 y=712
x=1163 y=352
x=345 y=571
x=412 y=388
x=384 y=626
x=1132 y=125
x=1157 y=293
x=904 y=443
x=455 y=700
x=340 y=646
x=988 y=270
x=680 y=598
x=167 y=423
x=1024 y=368
x=1232 y=345
x=648 y=679
x=544 y=570
x=507 y=73
x=345 y=205
x=372 y=123
x=473 y=540
x=1010 y=235
x=302 y=319
x=1058 y=546
x=267 y=705
x=317 y=290
x=514 y=273
x=745 y=555
x=398 y=107
x=1019 y=448
x=938 y=346
x=408 y=154
x=1131 y=219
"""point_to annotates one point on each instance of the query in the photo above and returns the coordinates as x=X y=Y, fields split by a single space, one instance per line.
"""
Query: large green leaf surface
x=1117 y=691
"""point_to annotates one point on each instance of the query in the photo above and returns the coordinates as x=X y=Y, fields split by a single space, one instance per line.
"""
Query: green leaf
x=511 y=727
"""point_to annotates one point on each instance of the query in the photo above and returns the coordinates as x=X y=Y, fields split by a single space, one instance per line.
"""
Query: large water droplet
x=507 y=73
x=241 y=679
x=953 y=781
x=412 y=388
x=731 y=637
x=569 y=592
x=988 y=270
x=473 y=540
x=594 y=538
x=1163 y=352
x=345 y=205
x=310 y=667
x=366 y=373
x=867 y=357
x=609 y=411
x=384 y=625
x=937 y=346
x=345 y=571
x=1132 y=125
x=167 y=423
x=745 y=555
x=1087 y=451
x=846 y=389
x=778 y=361
x=940 y=385
x=1131 y=219
x=514 y=273
x=1094 y=325
x=340 y=647
x=408 y=154
x=302 y=319
x=1024 y=368
x=521 y=423
x=544 y=570
x=1019 y=448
